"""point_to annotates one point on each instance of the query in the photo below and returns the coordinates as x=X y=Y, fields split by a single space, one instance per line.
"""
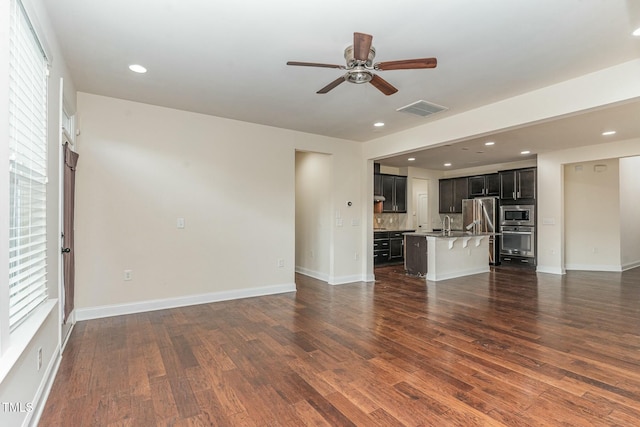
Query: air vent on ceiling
x=422 y=108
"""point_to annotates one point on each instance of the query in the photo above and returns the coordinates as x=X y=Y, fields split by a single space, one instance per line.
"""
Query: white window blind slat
x=27 y=168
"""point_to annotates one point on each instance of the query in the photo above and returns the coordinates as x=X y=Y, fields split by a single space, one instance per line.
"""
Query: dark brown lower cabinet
x=415 y=260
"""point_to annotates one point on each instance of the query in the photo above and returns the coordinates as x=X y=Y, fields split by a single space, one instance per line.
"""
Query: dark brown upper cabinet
x=451 y=193
x=484 y=185
x=518 y=185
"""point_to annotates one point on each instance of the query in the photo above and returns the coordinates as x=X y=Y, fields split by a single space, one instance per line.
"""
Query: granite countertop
x=450 y=235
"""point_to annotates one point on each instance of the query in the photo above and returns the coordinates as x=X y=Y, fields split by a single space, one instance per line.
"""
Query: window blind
x=27 y=168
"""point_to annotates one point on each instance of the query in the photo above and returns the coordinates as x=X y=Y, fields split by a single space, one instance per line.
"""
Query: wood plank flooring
x=506 y=348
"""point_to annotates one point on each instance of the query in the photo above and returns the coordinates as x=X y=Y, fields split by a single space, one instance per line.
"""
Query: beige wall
x=313 y=214
x=551 y=194
x=630 y=211
x=141 y=167
x=592 y=215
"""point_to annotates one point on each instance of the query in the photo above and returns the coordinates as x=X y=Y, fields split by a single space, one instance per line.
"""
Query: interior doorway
x=313 y=228
x=420 y=203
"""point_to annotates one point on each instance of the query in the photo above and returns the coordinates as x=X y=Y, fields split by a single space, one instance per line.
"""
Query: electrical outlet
x=39 y=358
x=356 y=256
x=180 y=223
x=280 y=263
x=128 y=275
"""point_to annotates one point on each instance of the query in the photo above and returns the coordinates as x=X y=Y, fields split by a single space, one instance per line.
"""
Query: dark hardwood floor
x=505 y=348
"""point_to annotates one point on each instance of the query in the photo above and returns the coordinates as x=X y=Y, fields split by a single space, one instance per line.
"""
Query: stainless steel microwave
x=518 y=215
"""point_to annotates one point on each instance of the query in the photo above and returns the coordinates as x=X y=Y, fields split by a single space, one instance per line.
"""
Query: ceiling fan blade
x=383 y=86
x=331 y=85
x=407 y=64
x=361 y=46
x=314 y=64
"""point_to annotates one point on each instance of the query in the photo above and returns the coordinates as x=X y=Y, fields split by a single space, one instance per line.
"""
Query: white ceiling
x=228 y=58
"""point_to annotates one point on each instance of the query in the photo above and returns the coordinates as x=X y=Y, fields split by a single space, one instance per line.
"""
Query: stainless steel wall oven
x=518 y=241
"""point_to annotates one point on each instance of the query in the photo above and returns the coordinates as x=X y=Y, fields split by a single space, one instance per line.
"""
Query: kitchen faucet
x=446 y=224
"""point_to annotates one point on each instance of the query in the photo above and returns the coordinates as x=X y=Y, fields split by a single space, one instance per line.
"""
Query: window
x=27 y=168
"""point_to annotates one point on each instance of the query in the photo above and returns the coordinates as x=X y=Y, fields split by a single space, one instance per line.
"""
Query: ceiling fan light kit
x=360 y=66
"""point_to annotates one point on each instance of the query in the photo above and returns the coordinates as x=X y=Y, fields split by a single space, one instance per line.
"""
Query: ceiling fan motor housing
x=353 y=62
x=359 y=75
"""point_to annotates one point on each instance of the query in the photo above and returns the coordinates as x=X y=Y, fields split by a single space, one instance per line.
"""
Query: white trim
x=343 y=280
x=434 y=277
x=594 y=267
x=630 y=265
x=21 y=337
x=161 y=304
x=40 y=399
x=370 y=277
x=550 y=270
x=72 y=323
x=313 y=274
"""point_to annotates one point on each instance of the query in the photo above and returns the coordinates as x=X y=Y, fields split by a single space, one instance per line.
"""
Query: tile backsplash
x=390 y=221
x=456 y=221
x=401 y=221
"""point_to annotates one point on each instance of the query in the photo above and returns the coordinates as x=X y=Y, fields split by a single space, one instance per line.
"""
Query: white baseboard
x=343 y=280
x=433 y=277
x=161 y=304
x=312 y=273
x=42 y=394
x=340 y=280
x=593 y=267
x=630 y=265
x=550 y=270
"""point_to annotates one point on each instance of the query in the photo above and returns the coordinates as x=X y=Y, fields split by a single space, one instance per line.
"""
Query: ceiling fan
x=359 y=57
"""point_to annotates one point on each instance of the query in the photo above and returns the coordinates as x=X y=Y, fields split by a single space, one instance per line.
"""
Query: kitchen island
x=450 y=254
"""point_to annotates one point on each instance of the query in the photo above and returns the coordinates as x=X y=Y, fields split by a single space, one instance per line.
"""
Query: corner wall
x=551 y=215
x=313 y=214
x=142 y=167
x=592 y=215
x=630 y=212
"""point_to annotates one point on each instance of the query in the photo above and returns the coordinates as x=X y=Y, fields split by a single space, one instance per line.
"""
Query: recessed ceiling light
x=609 y=132
x=137 y=68
x=447 y=164
x=636 y=32
x=489 y=143
x=378 y=124
x=479 y=152
x=525 y=152
x=411 y=159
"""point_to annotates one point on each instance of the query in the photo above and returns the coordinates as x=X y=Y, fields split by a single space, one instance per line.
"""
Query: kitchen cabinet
x=396 y=246
x=518 y=185
x=380 y=247
x=451 y=193
x=377 y=185
x=484 y=185
x=394 y=190
x=388 y=246
x=415 y=260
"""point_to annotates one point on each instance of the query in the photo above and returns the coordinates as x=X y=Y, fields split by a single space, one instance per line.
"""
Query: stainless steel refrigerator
x=481 y=215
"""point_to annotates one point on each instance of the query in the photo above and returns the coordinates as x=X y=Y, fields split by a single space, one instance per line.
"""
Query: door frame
x=64 y=137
